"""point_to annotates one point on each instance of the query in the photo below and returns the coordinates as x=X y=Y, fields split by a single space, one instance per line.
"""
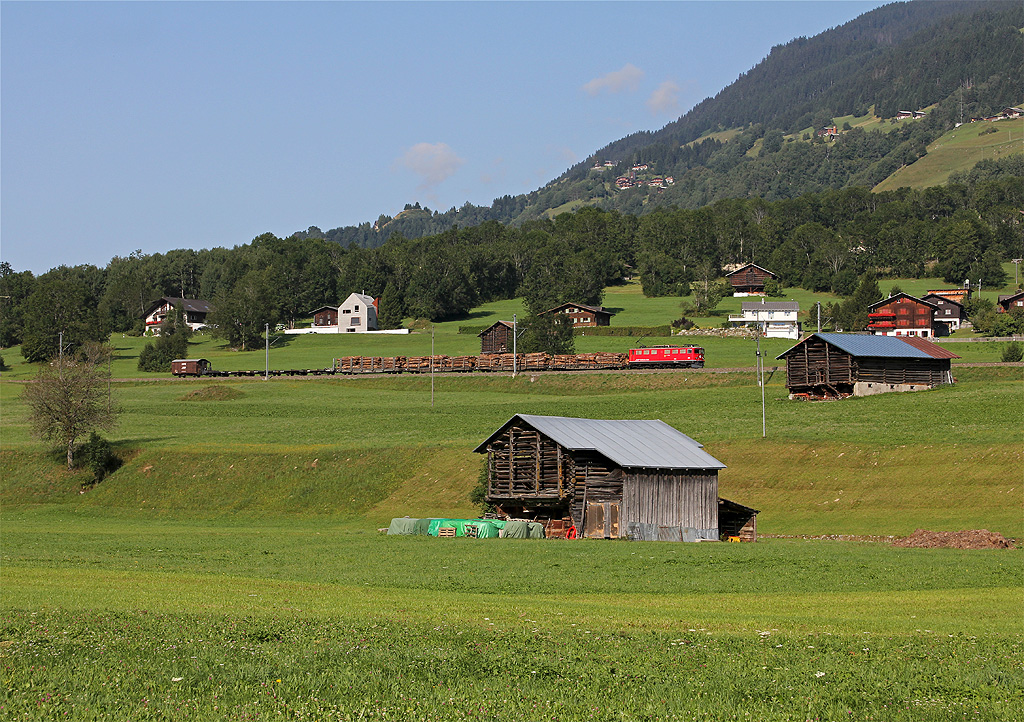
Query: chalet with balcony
x=613 y=478
x=582 y=316
x=775 y=319
x=194 y=310
x=902 y=315
x=749 y=280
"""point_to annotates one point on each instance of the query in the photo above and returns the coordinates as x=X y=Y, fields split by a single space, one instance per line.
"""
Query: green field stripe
x=942 y=611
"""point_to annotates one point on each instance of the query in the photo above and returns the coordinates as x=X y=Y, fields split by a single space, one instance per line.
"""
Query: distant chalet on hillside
x=582 y=316
x=1005 y=304
x=834 y=365
x=194 y=310
x=749 y=280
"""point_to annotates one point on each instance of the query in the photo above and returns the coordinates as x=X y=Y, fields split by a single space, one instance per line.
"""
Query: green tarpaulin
x=403 y=526
x=517 y=530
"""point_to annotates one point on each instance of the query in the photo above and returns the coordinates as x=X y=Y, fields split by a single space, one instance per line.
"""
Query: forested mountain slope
x=957 y=59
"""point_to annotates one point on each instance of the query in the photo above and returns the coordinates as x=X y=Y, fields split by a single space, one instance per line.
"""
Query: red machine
x=667 y=357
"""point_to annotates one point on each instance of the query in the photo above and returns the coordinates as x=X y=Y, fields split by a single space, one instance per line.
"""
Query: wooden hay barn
x=612 y=478
x=496 y=338
x=834 y=365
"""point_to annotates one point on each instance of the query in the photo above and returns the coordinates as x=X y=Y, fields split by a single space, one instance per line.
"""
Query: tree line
x=819 y=241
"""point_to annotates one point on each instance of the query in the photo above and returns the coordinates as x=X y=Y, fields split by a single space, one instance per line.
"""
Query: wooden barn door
x=601 y=520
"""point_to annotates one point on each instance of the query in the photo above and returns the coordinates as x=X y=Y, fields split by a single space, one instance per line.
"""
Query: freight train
x=638 y=358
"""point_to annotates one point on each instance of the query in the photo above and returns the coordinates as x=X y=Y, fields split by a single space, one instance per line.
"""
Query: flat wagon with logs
x=655 y=357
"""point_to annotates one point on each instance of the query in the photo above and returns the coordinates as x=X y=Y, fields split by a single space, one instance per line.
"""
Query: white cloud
x=665 y=99
x=628 y=78
x=433 y=162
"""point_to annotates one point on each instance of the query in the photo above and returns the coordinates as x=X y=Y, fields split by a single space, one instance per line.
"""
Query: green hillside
x=958 y=151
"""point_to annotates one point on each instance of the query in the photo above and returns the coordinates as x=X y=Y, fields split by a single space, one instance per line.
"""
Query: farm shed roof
x=650 y=444
x=187 y=304
x=506 y=324
x=749 y=265
x=932 y=349
x=878 y=346
x=897 y=297
x=770 y=306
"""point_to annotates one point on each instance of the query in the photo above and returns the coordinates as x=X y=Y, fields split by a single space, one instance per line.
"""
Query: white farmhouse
x=777 y=319
x=357 y=313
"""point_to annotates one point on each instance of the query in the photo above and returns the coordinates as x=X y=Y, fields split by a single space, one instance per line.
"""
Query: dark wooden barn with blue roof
x=834 y=365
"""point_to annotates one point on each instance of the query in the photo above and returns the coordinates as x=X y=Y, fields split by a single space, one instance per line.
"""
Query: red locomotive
x=661 y=357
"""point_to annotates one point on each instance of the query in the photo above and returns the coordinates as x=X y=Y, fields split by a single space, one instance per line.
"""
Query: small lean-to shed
x=609 y=476
x=833 y=365
x=496 y=338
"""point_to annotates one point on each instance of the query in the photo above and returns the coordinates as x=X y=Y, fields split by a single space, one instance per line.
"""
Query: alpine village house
x=193 y=310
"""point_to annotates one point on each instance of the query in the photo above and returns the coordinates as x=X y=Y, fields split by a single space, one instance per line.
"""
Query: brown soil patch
x=969 y=539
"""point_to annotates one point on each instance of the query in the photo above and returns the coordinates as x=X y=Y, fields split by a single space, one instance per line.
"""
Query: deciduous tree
x=69 y=399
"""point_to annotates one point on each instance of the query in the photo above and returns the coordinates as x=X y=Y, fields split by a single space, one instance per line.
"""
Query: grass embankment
x=376 y=448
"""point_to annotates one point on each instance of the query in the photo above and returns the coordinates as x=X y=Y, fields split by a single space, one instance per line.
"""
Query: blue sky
x=155 y=126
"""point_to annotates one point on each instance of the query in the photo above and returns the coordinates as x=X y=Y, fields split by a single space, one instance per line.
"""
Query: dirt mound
x=213 y=393
x=968 y=539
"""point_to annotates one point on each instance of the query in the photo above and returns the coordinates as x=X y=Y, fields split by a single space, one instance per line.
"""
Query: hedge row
x=665 y=330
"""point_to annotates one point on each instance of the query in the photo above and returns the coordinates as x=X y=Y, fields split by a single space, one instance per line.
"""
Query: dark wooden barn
x=833 y=365
x=613 y=478
x=749 y=279
x=496 y=338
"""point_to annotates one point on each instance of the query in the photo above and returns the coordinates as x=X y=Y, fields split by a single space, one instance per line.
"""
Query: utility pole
x=431 y=365
x=819 y=316
x=266 y=373
x=760 y=382
x=514 y=334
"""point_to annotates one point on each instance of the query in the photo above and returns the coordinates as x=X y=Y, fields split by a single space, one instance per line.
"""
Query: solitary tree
x=68 y=399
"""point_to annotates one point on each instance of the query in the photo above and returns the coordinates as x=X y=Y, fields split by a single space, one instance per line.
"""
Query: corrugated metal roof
x=629 y=443
x=932 y=349
x=864 y=345
x=770 y=306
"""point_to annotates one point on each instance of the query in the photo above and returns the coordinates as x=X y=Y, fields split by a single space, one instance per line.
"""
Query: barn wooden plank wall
x=817 y=362
x=668 y=499
x=523 y=463
x=930 y=372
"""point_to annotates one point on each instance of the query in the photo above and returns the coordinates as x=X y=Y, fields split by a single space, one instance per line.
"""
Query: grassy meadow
x=959 y=150
x=231 y=568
